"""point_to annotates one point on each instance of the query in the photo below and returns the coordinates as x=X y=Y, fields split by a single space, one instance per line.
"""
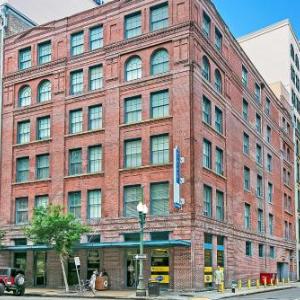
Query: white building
x=275 y=51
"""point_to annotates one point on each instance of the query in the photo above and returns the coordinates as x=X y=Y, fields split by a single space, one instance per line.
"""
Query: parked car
x=12 y=280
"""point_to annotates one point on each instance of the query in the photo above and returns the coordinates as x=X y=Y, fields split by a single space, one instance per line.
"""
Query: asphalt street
x=290 y=294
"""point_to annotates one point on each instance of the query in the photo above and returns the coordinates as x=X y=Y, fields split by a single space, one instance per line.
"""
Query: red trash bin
x=269 y=277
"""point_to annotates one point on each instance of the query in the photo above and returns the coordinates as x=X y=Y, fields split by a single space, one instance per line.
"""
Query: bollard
x=257 y=283
x=277 y=281
x=288 y=280
x=272 y=281
x=239 y=284
x=222 y=287
x=265 y=282
x=248 y=283
x=283 y=281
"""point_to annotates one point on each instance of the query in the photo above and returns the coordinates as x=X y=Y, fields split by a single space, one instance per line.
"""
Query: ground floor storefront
x=177 y=264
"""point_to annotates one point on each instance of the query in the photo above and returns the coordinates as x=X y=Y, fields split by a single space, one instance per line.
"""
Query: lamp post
x=142 y=210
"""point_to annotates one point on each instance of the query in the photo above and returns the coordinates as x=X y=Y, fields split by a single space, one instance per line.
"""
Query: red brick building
x=93 y=107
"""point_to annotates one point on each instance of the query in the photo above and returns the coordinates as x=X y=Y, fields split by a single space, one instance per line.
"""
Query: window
x=205 y=68
x=257 y=94
x=95 y=159
x=159 y=104
x=248 y=248
x=259 y=186
x=297 y=61
x=44 y=91
x=160 y=236
x=207 y=154
x=133 y=109
x=245 y=110
x=218 y=81
x=160 y=149
x=75 y=162
x=207 y=196
x=244 y=76
x=25 y=96
x=269 y=134
x=260 y=250
x=133 y=153
x=74 y=204
x=95 y=117
x=206 y=111
x=96 y=37
x=41 y=201
x=77 y=43
x=286 y=230
x=218 y=39
x=22 y=169
x=293 y=75
x=159 y=62
x=270 y=192
x=272 y=252
x=246 y=179
x=219 y=161
x=246 y=147
x=260 y=222
x=76 y=82
x=218 y=120
x=292 y=52
x=268 y=106
x=75 y=121
x=159 y=199
x=258 y=123
x=159 y=17
x=220 y=206
x=258 y=154
x=43 y=128
x=95 y=77
x=42 y=166
x=247 y=216
x=21 y=210
x=133 y=68
x=44 y=52
x=94 y=204
x=23 y=132
x=271 y=219
x=133 y=25
x=25 y=58
x=269 y=163
x=132 y=196
x=206 y=24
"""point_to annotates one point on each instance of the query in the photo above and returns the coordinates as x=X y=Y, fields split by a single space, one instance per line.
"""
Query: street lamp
x=142 y=210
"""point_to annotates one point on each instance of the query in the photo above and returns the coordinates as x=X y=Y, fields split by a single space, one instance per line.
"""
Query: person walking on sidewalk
x=219 y=278
x=93 y=282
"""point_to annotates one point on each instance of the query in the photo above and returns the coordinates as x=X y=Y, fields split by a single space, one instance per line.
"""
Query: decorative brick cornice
x=33 y=72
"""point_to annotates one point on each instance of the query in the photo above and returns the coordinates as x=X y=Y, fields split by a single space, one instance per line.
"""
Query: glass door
x=131 y=268
x=93 y=262
x=40 y=259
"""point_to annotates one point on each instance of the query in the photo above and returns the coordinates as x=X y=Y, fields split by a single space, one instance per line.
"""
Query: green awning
x=165 y=243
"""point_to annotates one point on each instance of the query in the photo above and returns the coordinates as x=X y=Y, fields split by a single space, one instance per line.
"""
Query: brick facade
x=186 y=44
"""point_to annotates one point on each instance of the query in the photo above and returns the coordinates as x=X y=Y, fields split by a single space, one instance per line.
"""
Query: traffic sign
x=141 y=256
x=77 y=261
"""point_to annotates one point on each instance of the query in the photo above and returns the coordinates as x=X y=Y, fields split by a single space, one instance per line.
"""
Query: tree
x=52 y=227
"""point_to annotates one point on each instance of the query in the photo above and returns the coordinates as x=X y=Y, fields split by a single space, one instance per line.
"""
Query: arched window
x=25 y=96
x=205 y=68
x=133 y=68
x=297 y=61
x=218 y=81
x=44 y=91
x=292 y=52
x=160 y=62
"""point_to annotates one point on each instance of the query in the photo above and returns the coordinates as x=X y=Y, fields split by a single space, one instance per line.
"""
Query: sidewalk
x=165 y=295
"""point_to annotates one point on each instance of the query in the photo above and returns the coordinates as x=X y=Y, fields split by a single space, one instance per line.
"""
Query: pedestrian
x=93 y=282
x=219 y=278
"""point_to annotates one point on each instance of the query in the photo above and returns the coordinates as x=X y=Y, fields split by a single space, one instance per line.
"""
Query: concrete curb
x=258 y=291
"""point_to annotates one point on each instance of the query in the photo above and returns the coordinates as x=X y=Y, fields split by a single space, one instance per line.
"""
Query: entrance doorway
x=20 y=260
x=93 y=262
x=40 y=259
x=131 y=268
x=282 y=271
x=72 y=274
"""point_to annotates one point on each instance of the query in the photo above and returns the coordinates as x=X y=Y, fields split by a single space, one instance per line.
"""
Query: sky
x=245 y=16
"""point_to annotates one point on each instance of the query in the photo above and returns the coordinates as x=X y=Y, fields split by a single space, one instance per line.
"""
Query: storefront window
x=208 y=260
x=160 y=266
x=93 y=262
x=20 y=260
x=40 y=268
x=131 y=268
x=220 y=251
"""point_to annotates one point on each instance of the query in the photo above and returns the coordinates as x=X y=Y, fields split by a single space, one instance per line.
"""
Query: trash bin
x=233 y=286
x=101 y=283
x=153 y=288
